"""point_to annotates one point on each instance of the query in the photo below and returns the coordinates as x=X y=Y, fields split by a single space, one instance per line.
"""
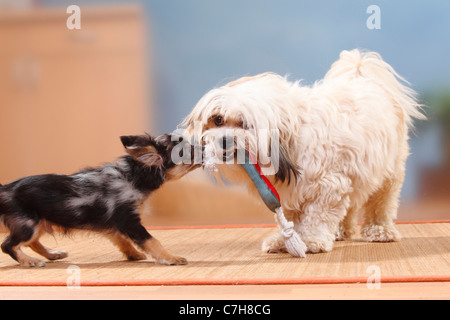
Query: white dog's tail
x=369 y=65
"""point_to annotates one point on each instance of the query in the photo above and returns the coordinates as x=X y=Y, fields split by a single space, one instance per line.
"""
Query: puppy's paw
x=172 y=261
x=57 y=255
x=136 y=256
x=274 y=244
x=32 y=263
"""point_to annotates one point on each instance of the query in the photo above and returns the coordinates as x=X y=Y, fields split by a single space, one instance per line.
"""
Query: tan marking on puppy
x=156 y=250
x=27 y=261
x=50 y=254
x=126 y=247
x=180 y=171
x=36 y=246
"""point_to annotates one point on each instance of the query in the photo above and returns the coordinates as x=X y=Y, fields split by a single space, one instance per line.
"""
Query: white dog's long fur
x=343 y=144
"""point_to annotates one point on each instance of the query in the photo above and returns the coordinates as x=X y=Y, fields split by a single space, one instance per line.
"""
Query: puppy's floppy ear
x=142 y=149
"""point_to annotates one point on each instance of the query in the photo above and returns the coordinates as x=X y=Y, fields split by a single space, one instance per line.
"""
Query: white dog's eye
x=218 y=121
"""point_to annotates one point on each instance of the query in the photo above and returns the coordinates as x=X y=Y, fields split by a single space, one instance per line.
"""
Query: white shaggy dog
x=343 y=145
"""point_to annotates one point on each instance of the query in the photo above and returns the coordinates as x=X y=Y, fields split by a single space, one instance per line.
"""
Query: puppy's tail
x=355 y=64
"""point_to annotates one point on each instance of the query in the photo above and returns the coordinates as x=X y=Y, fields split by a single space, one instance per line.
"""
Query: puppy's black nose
x=227 y=143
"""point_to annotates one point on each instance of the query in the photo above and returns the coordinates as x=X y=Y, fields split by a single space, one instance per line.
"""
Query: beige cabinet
x=67 y=95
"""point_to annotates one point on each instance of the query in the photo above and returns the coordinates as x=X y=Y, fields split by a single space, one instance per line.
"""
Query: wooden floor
x=418 y=267
x=425 y=290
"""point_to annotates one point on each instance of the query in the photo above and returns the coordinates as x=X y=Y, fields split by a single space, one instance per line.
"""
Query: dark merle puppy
x=103 y=199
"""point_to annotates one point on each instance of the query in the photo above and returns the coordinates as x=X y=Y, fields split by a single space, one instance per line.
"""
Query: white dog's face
x=245 y=114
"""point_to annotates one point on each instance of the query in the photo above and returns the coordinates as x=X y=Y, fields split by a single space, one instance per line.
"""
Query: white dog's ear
x=189 y=124
x=287 y=168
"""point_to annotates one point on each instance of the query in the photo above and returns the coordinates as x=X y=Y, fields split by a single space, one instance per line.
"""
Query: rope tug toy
x=294 y=244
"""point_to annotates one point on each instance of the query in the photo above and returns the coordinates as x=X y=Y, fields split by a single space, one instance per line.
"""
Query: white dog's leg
x=318 y=228
x=380 y=212
x=348 y=226
x=319 y=223
x=276 y=242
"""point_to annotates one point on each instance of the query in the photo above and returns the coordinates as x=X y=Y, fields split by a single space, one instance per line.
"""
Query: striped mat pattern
x=231 y=255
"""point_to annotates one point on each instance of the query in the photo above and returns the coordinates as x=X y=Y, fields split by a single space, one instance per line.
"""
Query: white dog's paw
x=274 y=244
x=319 y=245
x=344 y=233
x=340 y=234
x=379 y=233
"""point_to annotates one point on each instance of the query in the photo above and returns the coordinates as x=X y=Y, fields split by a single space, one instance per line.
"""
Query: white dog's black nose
x=226 y=143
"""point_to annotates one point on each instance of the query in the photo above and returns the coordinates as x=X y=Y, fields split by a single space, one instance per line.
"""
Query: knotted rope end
x=294 y=244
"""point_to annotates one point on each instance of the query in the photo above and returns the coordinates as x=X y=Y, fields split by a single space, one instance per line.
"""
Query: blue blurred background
x=195 y=45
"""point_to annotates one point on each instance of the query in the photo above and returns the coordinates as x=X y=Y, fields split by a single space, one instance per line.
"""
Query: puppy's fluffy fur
x=343 y=144
x=103 y=199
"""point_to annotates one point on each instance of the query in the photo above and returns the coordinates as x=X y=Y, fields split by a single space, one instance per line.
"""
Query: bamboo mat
x=232 y=255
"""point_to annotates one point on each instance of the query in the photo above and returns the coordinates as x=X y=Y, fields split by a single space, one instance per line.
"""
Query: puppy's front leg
x=150 y=245
x=154 y=247
x=126 y=247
